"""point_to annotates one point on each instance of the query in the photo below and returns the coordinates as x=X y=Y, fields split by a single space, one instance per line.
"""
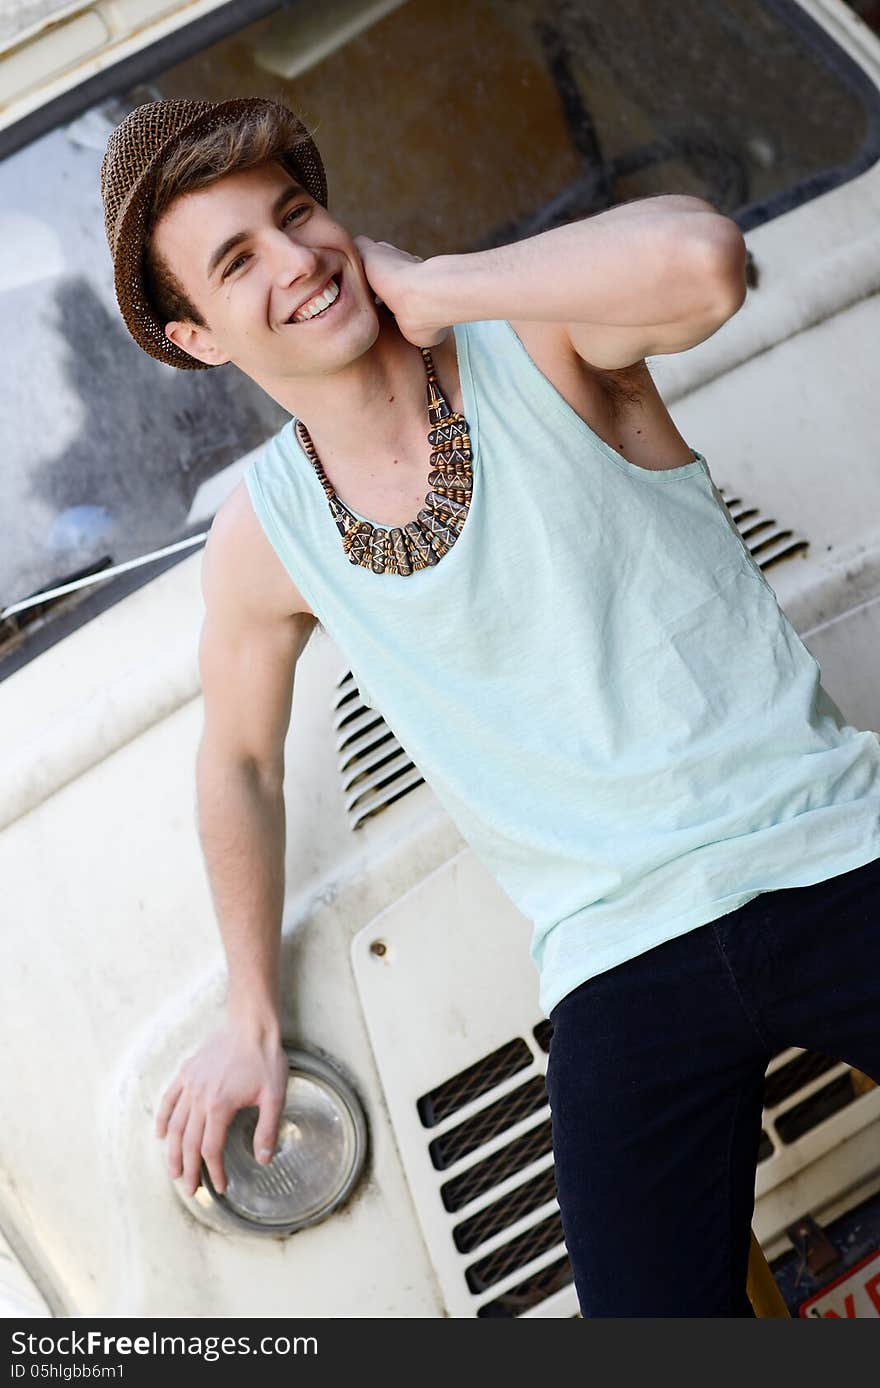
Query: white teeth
x=317 y=304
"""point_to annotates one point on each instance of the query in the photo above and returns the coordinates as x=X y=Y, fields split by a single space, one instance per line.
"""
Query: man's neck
x=374 y=409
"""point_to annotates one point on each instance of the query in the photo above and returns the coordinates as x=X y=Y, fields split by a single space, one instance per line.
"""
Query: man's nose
x=289 y=260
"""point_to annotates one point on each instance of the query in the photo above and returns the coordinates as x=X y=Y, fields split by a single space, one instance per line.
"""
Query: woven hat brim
x=130 y=230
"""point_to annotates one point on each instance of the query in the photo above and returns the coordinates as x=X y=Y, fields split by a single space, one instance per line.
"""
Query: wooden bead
x=401 y=553
x=437 y=528
x=420 y=543
x=449 y=482
x=378 y=541
x=361 y=536
x=446 y=507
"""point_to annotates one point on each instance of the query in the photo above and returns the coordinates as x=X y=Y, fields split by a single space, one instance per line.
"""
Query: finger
x=213 y=1143
x=266 y=1131
x=169 y=1099
x=176 y=1127
x=192 y=1150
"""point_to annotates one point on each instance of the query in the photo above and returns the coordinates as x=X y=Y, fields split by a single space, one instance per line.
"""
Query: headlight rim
x=213 y=1208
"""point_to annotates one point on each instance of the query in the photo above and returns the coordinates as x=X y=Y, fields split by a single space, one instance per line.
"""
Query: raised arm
x=654 y=275
x=255 y=628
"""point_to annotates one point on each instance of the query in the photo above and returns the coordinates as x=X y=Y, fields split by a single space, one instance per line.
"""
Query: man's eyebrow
x=289 y=191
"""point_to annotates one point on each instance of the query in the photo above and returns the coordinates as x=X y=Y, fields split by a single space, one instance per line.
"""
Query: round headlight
x=319 y=1155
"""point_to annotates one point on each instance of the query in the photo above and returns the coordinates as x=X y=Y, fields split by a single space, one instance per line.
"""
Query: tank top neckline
x=469 y=406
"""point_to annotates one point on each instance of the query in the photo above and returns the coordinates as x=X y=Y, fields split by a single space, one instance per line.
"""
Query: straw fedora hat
x=134 y=151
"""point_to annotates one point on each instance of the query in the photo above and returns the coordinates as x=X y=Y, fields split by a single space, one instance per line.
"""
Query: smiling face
x=248 y=251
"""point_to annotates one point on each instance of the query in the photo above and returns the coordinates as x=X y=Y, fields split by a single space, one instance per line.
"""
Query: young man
x=540 y=585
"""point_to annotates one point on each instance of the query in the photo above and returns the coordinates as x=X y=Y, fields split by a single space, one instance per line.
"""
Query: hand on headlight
x=236 y=1068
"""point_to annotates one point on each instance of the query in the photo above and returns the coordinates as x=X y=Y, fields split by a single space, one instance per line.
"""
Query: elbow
x=728 y=255
x=218 y=764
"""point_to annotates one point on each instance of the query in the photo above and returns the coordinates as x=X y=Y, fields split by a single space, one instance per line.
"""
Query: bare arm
x=249 y=647
x=653 y=275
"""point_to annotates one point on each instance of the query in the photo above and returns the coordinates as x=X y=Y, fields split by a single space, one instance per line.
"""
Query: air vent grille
x=500 y=1196
x=373 y=767
x=767 y=542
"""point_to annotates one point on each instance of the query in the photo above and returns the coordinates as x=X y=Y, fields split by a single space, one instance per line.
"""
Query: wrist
x=429 y=297
x=255 y=1017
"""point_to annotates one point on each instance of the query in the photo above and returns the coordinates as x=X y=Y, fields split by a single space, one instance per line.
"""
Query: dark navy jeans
x=656 y=1077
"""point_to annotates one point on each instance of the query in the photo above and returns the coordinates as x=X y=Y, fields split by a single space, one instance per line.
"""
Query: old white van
x=415 y=1176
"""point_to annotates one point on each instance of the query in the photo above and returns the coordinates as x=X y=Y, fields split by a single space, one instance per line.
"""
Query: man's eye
x=303 y=207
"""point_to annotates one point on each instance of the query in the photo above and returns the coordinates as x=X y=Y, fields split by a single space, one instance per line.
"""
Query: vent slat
x=381 y=801
x=492 y=1170
x=792 y=1076
x=531 y=1292
x=366 y=746
x=802 y=1118
x=470 y=1084
x=488 y=1123
x=519 y=1202
x=376 y=772
x=541 y=1237
x=379 y=794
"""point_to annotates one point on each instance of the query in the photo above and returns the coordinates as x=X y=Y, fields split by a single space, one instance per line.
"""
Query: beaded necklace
x=423 y=541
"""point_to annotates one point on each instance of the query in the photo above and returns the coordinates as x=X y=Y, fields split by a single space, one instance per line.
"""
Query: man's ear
x=196 y=341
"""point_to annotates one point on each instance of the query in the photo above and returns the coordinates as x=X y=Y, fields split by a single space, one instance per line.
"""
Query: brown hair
x=623 y=386
x=244 y=141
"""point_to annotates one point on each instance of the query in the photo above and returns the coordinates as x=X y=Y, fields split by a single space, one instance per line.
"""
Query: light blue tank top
x=596 y=680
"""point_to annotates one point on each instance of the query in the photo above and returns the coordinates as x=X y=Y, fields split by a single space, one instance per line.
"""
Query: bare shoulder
x=239 y=556
x=255 y=629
